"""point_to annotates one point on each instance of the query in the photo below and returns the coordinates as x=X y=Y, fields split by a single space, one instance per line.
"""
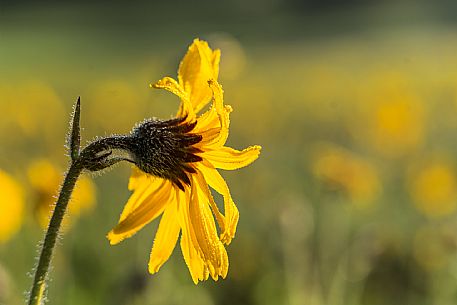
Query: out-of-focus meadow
x=354 y=197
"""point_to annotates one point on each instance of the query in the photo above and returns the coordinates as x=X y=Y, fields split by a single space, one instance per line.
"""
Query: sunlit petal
x=202 y=220
x=218 y=183
x=148 y=209
x=199 y=65
x=230 y=159
x=165 y=239
x=171 y=85
x=189 y=245
x=142 y=186
x=223 y=113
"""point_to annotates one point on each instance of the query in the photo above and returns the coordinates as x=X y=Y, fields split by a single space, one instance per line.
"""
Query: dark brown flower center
x=165 y=149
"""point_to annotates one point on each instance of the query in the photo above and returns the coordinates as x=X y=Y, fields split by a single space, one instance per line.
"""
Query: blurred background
x=354 y=197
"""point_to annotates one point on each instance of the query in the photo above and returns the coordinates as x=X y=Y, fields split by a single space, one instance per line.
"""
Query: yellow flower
x=11 y=206
x=433 y=187
x=181 y=193
x=45 y=178
x=340 y=168
x=394 y=121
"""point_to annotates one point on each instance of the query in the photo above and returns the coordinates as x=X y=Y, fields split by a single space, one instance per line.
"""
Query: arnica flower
x=11 y=206
x=44 y=178
x=176 y=161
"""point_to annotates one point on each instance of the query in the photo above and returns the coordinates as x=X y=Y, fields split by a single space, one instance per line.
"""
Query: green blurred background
x=354 y=197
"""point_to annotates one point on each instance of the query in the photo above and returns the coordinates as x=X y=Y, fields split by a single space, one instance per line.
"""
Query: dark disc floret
x=165 y=149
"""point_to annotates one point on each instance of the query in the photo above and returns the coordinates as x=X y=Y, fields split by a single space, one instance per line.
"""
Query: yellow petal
x=207 y=194
x=189 y=245
x=171 y=85
x=142 y=186
x=202 y=219
x=230 y=159
x=215 y=60
x=223 y=113
x=218 y=183
x=198 y=66
x=165 y=239
x=207 y=120
x=137 y=178
x=147 y=210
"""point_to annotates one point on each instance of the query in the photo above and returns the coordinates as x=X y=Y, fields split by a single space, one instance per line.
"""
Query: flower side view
x=176 y=162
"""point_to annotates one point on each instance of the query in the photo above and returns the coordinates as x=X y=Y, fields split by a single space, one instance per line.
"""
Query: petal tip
x=113 y=238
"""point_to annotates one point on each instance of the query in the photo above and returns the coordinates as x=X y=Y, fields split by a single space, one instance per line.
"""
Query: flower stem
x=37 y=294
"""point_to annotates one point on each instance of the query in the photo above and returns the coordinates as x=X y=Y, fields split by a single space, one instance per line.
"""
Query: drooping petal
x=165 y=239
x=189 y=245
x=207 y=194
x=230 y=159
x=149 y=208
x=142 y=186
x=198 y=66
x=171 y=85
x=202 y=220
x=218 y=183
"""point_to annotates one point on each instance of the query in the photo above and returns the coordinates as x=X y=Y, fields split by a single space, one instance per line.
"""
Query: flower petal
x=207 y=194
x=198 y=66
x=230 y=159
x=223 y=113
x=202 y=220
x=142 y=186
x=165 y=239
x=207 y=120
x=218 y=183
x=171 y=85
x=189 y=245
x=147 y=210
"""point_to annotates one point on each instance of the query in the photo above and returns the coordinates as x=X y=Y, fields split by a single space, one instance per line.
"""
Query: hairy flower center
x=165 y=149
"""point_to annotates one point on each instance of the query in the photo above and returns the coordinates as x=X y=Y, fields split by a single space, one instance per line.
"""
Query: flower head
x=176 y=163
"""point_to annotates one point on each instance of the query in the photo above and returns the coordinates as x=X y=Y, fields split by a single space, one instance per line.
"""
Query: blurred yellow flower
x=45 y=178
x=11 y=206
x=34 y=108
x=392 y=118
x=398 y=123
x=433 y=188
x=344 y=170
x=185 y=200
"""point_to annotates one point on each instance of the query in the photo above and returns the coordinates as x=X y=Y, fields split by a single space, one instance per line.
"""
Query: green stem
x=37 y=294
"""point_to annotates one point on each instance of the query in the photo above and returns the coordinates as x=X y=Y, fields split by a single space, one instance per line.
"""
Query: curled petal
x=218 y=183
x=169 y=84
x=165 y=239
x=208 y=120
x=148 y=209
x=230 y=159
x=223 y=113
x=198 y=66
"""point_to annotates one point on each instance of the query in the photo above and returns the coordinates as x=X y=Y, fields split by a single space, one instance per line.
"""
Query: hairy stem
x=37 y=294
